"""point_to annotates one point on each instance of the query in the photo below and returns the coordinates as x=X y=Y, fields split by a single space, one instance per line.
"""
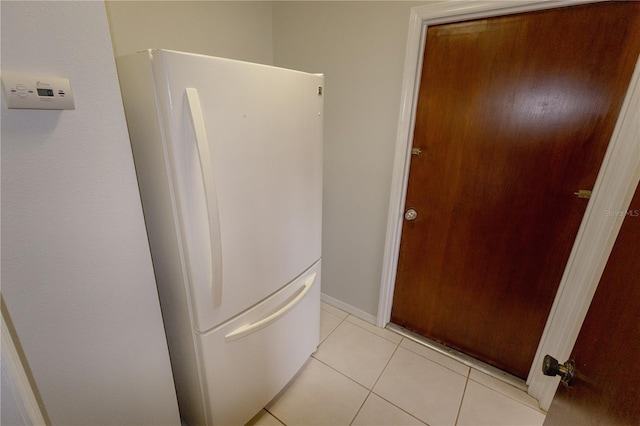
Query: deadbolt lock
x=410 y=214
x=551 y=367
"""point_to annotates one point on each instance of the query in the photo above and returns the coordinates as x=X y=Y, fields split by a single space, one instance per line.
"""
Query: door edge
x=617 y=179
x=597 y=232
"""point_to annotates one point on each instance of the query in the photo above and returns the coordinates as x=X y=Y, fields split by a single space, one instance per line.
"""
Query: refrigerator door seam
x=248 y=329
x=238 y=315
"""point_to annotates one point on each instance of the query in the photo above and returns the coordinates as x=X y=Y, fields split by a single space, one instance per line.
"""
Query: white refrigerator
x=228 y=156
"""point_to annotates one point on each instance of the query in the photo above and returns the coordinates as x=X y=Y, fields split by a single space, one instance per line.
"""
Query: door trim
x=612 y=193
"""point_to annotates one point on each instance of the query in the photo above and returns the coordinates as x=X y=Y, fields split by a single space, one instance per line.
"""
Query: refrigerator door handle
x=247 y=329
x=206 y=172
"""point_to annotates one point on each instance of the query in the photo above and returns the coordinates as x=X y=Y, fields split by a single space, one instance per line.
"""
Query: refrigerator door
x=248 y=360
x=244 y=147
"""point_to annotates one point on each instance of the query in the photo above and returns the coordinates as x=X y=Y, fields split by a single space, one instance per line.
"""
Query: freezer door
x=247 y=361
x=244 y=146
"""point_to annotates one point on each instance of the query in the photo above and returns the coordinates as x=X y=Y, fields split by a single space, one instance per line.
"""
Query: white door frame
x=20 y=400
x=612 y=193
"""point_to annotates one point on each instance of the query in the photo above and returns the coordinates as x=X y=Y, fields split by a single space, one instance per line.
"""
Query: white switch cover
x=24 y=91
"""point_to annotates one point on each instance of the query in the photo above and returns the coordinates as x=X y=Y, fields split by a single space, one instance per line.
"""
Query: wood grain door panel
x=606 y=389
x=514 y=115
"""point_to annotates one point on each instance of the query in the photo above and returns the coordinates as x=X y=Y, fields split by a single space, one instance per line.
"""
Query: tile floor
x=364 y=375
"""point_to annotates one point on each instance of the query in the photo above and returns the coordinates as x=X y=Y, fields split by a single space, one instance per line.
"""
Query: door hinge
x=583 y=193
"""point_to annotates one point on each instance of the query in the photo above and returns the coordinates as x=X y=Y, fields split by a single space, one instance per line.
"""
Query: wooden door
x=606 y=388
x=514 y=115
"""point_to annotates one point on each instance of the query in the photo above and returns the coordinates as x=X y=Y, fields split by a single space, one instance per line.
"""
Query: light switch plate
x=25 y=91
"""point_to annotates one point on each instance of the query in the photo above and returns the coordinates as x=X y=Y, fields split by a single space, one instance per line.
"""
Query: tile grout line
x=334 y=328
x=507 y=396
x=351 y=379
x=459 y=356
x=464 y=392
x=341 y=373
x=275 y=417
x=468 y=375
x=400 y=408
x=360 y=409
x=314 y=357
x=375 y=334
x=378 y=379
x=371 y=391
x=439 y=363
x=398 y=345
x=385 y=366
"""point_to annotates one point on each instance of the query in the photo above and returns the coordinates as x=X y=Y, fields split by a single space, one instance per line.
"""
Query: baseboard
x=365 y=316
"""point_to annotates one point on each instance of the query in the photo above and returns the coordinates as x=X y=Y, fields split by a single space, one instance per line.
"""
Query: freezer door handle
x=247 y=329
x=206 y=172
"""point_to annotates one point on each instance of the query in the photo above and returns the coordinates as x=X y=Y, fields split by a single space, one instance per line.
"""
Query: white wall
x=77 y=277
x=360 y=46
x=231 y=29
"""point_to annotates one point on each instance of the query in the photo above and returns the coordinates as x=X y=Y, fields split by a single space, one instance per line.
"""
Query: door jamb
x=612 y=193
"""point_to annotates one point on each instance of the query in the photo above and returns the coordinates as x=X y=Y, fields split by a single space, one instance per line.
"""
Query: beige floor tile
x=505 y=389
x=382 y=332
x=328 y=323
x=356 y=353
x=378 y=412
x=427 y=390
x=485 y=406
x=264 y=418
x=332 y=309
x=437 y=357
x=318 y=396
